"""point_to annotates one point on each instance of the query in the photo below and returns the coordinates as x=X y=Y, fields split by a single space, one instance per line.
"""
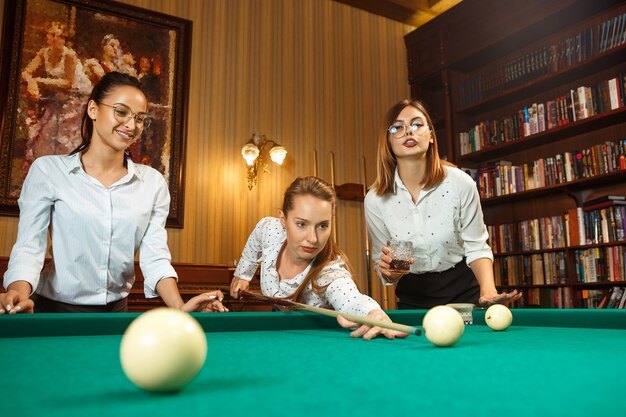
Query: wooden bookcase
x=468 y=67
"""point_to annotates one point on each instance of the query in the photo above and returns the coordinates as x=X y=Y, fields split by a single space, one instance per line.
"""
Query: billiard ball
x=498 y=317
x=443 y=325
x=163 y=349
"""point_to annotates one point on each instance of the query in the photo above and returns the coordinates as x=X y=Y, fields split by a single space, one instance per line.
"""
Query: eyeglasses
x=399 y=130
x=123 y=114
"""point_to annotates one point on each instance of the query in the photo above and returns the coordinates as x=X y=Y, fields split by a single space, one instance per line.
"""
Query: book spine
x=582 y=238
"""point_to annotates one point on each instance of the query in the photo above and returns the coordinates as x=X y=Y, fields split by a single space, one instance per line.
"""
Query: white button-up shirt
x=264 y=245
x=95 y=232
x=445 y=224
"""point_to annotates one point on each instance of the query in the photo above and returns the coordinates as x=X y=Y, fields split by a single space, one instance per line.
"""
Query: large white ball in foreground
x=498 y=317
x=163 y=349
x=443 y=326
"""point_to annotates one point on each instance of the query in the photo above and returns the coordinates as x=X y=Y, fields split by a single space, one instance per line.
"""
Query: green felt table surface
x=548 y=363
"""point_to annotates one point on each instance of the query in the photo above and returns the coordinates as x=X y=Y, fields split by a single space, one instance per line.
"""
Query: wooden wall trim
x=188 y=273
x=193 y=279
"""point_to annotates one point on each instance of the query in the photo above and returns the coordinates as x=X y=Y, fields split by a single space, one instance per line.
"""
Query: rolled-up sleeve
x=473 y=230
x=155 y=259
x=28 y=253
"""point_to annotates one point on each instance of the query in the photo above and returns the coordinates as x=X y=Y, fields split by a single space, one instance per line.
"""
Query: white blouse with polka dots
x=264 y=245
x=445 y=224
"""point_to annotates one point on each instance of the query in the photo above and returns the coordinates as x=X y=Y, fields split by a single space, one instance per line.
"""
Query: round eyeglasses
x=399 y=130
x=123 y=114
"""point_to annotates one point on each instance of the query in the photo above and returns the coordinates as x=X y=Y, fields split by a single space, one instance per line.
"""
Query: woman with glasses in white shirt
x=100 y=209
x=300 y=261
x=421 y=198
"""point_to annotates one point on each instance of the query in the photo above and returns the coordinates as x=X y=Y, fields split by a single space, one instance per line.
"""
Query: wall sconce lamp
x=252 y=153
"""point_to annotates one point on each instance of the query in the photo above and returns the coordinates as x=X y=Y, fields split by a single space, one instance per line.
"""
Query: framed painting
x=54 y=51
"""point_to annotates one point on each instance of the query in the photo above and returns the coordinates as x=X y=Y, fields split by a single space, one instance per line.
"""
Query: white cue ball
x=498 y=317
x=163 y=349
x=443 y=325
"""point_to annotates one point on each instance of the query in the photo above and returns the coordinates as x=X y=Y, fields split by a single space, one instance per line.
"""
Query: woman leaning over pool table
x=300 y=261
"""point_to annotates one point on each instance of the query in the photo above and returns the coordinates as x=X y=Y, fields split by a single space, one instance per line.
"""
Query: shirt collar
x=397 y=182
x=74 y=164
x=133 y=171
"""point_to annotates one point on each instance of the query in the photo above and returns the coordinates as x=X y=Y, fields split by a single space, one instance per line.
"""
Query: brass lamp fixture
x=252 y=152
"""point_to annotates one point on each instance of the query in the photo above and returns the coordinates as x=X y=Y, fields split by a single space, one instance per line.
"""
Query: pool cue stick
x=368 y=258
x=332 y=313
x=360 y=319
x=332 y=182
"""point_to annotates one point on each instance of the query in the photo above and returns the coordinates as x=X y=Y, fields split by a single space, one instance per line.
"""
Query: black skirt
x=455 y=285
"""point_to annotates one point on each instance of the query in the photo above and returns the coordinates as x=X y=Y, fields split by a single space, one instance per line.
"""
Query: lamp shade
x=278 y=154
x=250 y=153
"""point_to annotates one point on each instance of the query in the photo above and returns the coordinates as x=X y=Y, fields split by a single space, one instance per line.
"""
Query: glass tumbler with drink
x=401 y=252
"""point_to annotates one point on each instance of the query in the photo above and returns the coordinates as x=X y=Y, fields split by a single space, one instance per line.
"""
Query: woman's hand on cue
x=208 y=301
x=236 y=285
x=369 y=332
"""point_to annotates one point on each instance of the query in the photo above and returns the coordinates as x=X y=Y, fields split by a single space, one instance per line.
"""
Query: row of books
x=528 y=235
x=504 y=178
x=586 y=101
x=591 y=225
x=603 y=222
x=561 y=297
x=536 y=269
x=591 y=298
x=612 y=32
x=615 y=297
x=546 y=298
x=572 y=50
x=604 y=264
x=578 y=104
x=529 y=66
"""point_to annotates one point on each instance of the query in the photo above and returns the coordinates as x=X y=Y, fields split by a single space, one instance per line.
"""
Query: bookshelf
x=537 y=107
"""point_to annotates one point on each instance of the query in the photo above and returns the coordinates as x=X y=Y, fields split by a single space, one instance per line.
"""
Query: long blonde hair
x=317 y=188
x=386 y=162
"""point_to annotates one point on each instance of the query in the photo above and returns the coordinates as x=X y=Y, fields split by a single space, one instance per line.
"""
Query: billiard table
x=548 y=363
